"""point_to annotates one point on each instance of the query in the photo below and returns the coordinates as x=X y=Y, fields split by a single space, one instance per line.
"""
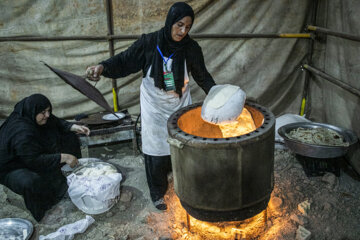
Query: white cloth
x=223 y=104
x=94 y=194
x=156 y=107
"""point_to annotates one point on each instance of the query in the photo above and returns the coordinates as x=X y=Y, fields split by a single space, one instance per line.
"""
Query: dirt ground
x=334 y=211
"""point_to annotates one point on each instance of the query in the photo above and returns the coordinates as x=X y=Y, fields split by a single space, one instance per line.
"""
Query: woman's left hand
x=80 y=129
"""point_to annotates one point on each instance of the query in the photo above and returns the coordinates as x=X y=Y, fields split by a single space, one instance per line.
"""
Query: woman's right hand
x=93 y=72
x=69 y=159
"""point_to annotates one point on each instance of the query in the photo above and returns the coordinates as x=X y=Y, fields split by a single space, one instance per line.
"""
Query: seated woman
x=34 y=145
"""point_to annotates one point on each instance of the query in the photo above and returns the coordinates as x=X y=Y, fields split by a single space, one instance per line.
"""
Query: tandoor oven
x=217 y=177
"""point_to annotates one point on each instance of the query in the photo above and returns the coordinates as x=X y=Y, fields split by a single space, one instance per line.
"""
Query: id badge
x=169 y=81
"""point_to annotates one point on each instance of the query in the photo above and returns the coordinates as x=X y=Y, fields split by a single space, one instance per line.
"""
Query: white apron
x=156 y=107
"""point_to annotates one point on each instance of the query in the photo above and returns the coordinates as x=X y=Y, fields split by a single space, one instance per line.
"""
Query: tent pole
x=334 y=33
x=110 y=26
x=305 y=106
x=332 y=80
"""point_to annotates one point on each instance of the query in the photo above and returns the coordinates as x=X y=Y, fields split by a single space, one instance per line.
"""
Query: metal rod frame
x=334 y=33
x=112 y=37
x=332 y=79
x=188 y=222
x=110 y=26
x=305 y=105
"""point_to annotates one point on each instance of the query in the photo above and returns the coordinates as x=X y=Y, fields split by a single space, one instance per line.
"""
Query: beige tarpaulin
x=267 y=69
x=339 y=58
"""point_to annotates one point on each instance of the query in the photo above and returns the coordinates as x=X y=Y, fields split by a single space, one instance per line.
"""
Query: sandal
x=160 y=204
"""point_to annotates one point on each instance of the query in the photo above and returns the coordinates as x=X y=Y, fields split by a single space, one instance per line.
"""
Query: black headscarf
x=30 y=106
x=168 y=46
x=23 y=118
x=21 y=123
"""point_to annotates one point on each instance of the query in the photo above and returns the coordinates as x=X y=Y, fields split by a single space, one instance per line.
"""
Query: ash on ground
x=327 y=207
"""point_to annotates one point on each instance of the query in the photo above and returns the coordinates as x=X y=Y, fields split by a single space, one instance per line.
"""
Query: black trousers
x=157 y=169
x=42 y=191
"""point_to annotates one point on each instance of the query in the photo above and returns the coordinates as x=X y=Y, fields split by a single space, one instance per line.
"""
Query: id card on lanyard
x=168 y=74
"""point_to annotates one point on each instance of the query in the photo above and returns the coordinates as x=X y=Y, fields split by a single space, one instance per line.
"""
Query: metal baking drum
x=317 y=151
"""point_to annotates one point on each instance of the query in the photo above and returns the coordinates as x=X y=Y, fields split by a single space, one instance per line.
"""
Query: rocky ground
x=326 y=206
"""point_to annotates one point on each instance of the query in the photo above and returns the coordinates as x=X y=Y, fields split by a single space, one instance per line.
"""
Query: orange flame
x=192 y=123
x=185 y=227
x=243 y=125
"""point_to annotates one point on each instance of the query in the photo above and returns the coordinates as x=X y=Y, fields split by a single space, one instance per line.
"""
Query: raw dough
x=97 y=171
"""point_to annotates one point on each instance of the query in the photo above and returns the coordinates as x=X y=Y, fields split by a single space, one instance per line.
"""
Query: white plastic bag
x=282 y=121
x=68 y=231
x=223 y=104
x=94 y=194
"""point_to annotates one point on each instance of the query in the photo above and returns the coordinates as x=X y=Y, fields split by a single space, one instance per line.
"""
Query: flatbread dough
x=97 y=171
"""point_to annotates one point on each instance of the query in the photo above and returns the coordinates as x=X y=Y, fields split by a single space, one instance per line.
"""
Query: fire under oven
x=222 y=178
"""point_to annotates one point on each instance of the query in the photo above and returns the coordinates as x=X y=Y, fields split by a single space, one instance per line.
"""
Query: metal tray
x=317 y=151
x=112 y=117
x=15 y=228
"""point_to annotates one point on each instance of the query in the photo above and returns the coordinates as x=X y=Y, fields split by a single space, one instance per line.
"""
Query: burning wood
x=183 y=226
x=238 y=233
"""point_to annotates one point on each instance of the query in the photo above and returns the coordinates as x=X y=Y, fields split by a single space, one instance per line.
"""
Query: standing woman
x=34 y=145
x=165 y=58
